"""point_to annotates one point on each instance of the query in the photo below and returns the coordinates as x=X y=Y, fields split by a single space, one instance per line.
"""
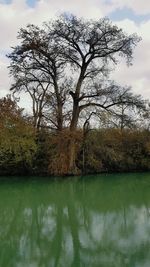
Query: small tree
x=17 y=139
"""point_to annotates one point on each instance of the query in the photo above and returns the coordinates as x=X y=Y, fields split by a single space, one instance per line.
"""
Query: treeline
x=26 y=151
x=113 y=150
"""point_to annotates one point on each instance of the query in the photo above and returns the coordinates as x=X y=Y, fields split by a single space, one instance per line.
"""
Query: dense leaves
x=17 y=138
x=116 y=150
x=23 y=151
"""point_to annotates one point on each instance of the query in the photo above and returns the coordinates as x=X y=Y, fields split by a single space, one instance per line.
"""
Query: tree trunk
x=72 y=153
x=73 y=143
x=59 y=117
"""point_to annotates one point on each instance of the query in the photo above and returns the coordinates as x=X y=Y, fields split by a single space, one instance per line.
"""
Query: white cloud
x=4 y=79
x=18 y=14
x=138 y=74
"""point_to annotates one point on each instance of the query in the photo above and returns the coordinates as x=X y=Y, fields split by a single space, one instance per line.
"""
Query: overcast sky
x=131 y=15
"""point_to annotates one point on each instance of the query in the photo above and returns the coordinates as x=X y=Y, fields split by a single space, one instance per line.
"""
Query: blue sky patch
x=5 y=2
x=31 y=3
x=127 y=13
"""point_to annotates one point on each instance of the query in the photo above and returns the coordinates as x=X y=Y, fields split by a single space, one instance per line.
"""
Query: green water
x=101 y=221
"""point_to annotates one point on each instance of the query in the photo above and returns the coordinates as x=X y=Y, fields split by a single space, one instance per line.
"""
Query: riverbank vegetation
x=81 y=120
x=23 y=150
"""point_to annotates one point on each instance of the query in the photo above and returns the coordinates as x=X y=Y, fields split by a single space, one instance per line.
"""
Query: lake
x=95 y=221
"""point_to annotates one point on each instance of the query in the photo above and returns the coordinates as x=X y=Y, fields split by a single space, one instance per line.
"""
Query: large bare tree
x=70 y=60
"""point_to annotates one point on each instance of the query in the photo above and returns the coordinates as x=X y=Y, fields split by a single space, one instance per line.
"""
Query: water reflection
x=99 y=222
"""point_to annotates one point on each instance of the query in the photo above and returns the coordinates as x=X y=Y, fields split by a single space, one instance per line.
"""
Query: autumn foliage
x=17 y=140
